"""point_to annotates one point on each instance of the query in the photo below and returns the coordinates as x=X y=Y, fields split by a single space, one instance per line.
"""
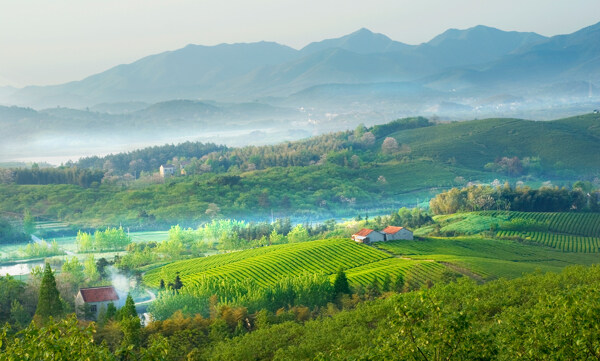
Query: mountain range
x=480 y=60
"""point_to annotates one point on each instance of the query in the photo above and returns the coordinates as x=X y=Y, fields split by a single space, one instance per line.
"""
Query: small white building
x=166 y=170
x=366 y=235
x=97 y=298
x=393 y=233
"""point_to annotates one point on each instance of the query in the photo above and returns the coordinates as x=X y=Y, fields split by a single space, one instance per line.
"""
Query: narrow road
x=152 y=298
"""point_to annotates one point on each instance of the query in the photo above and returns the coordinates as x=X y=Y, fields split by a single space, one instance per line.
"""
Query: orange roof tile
x=391 y=229
x=363 y=232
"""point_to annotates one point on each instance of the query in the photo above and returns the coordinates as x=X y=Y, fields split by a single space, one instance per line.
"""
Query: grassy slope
x=419 y=260
x=574 y=141
x=490 y=258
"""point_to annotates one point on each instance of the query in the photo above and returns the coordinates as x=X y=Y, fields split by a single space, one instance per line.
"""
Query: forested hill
x=564 y=147
x=338 y=174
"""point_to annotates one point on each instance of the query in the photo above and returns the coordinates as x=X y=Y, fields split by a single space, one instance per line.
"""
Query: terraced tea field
x=477 y=256
x=581 y=224
x=486 y=257
x=267 y=265
x=418 y=271
x=563 y=242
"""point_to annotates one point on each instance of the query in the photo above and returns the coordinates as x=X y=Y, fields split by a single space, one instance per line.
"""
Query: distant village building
x=393 y=233
x=167 y=170
x=389 y=233
x=97 y=298
x=366 y=235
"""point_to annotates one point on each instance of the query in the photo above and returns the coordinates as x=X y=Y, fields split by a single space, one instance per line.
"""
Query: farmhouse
x=366 y=235
x=166 y=170
x=393 y=233
x=96 y=298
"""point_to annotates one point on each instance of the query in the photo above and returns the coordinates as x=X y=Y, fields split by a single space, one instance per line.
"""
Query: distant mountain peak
x=362 y=41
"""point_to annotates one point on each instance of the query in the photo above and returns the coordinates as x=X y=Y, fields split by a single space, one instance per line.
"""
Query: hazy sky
x=54 y=41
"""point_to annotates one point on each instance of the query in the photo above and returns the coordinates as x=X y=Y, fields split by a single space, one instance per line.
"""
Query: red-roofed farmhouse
x=366 y=235
x=393 y=233
x=97 y=298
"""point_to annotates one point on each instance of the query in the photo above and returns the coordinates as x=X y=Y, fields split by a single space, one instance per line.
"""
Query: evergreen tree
x=398 y=285
x=177 y=284
x=111 y=311
x=49 y=303
x=28 y=223
x=129 y=309
x=340 y=285
x=161 y=285
x=131 y=328
x=373 y=289
x=387 y=283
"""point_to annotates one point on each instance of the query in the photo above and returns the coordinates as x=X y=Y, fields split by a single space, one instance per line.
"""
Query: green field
x=581 y=224
x=486 y=257
x=482 y=258
x=563 y=242
x=268 y=265
x=566 y=232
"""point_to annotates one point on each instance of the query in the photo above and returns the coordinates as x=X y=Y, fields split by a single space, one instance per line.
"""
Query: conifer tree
x=129 y=309
x=387 y=283
x=49 y=303
x=340 y=285
x=177 y=285
x=398 y=283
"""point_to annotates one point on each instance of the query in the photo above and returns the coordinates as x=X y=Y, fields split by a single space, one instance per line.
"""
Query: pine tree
x=161 y=286
x=177 y=285
x=340 y=285
x=387 y=283
x=131 y=328
x=111 y=311
x=129 y=309
x=398 y=283
x=49 y=303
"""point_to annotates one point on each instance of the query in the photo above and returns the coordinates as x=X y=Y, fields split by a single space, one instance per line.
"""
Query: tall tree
x=49 y=303
x=28 y=223
x=340 y=285
x=129 y=309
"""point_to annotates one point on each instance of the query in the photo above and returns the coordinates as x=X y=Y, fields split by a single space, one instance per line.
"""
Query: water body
x=20 y=269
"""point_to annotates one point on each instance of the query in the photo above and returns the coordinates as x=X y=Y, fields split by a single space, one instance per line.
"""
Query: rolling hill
x=426 y=258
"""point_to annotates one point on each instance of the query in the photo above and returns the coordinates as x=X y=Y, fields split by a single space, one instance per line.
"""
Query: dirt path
x=464 y=271
x=404 y=257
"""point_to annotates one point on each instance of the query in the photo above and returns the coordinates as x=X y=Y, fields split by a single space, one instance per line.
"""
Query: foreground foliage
x=551 y=317
x=539 y=316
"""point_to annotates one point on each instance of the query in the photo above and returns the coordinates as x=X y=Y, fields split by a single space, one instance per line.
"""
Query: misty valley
x=356 y=198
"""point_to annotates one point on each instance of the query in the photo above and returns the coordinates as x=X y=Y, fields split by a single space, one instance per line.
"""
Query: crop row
x=201 y=264
x=564 y=242
x=582 y=224
x=269 y=266
x=413 y=271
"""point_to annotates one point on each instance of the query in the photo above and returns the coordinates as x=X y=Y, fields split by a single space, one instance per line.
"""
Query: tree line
x=61 y=175
x=524 y=199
